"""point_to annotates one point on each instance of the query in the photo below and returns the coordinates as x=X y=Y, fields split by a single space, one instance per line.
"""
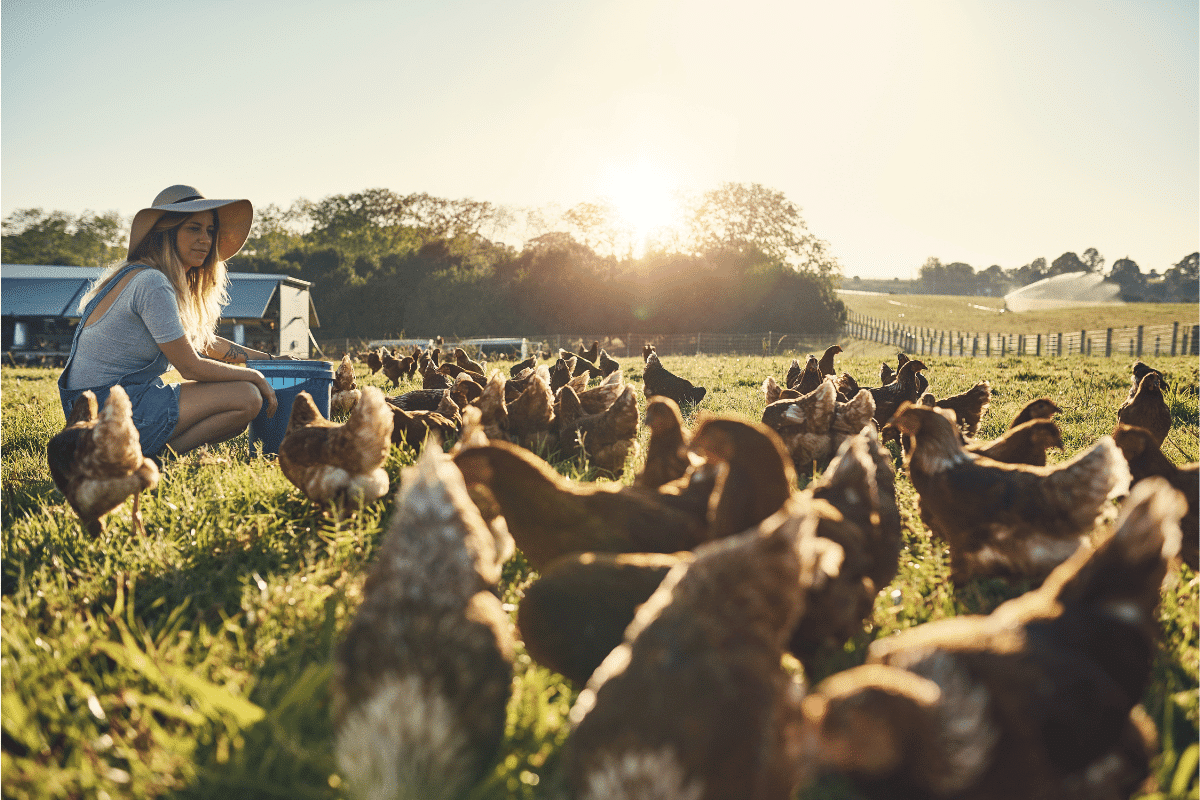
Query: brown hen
x=1025 y=444
x=463 y=360
x=1041 y=408
x=1146 y=460
x=344 y=393
x=856 y=506
x=1036 y=700
x=667 y=451
x=96 y=460
x=808 y=379
x=695 y=702
x=906 y=388
x=338 y=465
x=577 y=611
x=424 y=674
x=393 y=368
x=969 y=407
x=755 y=474
x=1006 y=520
x=1147 y=408
x=550 y=516
x=375 y=360
x=826 y=363
x=607 y=438
x=656 y=380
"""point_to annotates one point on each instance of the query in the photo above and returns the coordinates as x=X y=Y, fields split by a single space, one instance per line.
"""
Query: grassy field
x=195 y=663
x=987 y=314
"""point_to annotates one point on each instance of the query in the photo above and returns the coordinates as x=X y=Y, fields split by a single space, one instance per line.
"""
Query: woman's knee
x=251 y=399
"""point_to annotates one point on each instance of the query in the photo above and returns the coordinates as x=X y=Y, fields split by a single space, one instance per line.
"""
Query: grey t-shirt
x=126 y=338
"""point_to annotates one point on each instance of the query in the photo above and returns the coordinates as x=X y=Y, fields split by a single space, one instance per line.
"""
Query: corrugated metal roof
x=42 y=297
x=248 y=299
x=54 y=291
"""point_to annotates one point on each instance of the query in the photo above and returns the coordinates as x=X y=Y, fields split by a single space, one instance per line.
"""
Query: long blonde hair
x=199 y=293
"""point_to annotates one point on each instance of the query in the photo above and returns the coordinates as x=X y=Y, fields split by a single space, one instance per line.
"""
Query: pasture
x=987 y=314
x=195 y=662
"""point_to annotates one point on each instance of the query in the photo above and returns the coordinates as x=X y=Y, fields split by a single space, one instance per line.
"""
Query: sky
x=982 y=131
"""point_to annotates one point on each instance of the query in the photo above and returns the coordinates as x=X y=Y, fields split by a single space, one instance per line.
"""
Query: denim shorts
x=155 y=410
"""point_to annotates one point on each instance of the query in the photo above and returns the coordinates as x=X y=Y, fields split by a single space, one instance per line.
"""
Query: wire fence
x=1177 y=338
x=623 y=345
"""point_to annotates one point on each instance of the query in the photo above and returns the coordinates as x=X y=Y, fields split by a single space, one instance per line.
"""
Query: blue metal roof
x=42 y=297
x=52 y=291
x=248 y=299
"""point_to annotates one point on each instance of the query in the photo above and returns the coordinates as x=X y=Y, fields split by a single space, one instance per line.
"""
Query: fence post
x=1140 y=329
x=1059 y=348
x=1174 y=336
x=975 y=347
x=1156 y=343
x=1194 y=349
x=1108 y=344
x=1039 y=345
x=1003 y=345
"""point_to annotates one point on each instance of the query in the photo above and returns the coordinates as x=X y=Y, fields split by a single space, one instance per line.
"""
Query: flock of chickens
x=671 y=601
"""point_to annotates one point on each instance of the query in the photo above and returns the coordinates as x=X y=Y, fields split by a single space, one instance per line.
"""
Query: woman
x=159 y=308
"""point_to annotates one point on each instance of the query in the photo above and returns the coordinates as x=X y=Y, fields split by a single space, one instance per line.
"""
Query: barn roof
x=52 y=291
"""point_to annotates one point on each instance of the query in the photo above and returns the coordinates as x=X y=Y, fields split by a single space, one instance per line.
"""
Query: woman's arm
x=194 y=368
x=232 y=353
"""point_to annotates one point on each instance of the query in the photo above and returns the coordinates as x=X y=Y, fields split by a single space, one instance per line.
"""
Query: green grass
x=195 y=663
x=987 y=314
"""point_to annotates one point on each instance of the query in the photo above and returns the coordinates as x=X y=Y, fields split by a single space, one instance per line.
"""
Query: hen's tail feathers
x=117 y=441
x=370 y=424
x=84 y=410
x=1131 y=563
x=1095 y=475
x=771 y=389
x=853 y=415
x=819 y=415
x=304 y=411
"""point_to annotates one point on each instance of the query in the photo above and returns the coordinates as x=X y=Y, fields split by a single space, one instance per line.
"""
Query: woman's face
x=194 y=239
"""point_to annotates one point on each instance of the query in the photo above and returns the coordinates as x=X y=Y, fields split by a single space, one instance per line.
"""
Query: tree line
x=1177 y=284
x=388 y=265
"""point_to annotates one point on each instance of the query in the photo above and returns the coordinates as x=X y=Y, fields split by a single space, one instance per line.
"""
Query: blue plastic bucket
x=288 y=379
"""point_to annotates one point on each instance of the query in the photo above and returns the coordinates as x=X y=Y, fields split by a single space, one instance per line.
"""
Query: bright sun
x=642 y=192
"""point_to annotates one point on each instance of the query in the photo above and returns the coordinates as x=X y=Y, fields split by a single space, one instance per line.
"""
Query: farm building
x=39 y=309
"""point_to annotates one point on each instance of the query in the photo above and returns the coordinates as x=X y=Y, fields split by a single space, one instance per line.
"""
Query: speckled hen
x=424 y=674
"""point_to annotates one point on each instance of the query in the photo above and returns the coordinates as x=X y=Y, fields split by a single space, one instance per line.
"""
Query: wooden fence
x=1176 y=338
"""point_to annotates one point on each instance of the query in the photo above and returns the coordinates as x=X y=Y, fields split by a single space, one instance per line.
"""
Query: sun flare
x=644 y=196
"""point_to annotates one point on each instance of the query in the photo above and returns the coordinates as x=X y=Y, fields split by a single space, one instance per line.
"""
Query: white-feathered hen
x=424 y=674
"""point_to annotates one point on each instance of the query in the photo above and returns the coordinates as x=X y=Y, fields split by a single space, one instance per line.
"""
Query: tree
x=1067 y=262
x=1032 y=272
x=595 y=225
x=1126 y=274
x=932 y=275
x=32 y=236
x=738 y=216
x=1180 y=281
x=1093 y=260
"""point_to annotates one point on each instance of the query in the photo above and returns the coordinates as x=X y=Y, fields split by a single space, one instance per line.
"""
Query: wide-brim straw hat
x=233 y=217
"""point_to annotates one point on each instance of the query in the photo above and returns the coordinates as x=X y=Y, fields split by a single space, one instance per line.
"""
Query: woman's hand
x=268 y=394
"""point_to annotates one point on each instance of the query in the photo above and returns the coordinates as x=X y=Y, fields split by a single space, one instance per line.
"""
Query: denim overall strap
x=147 y=373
